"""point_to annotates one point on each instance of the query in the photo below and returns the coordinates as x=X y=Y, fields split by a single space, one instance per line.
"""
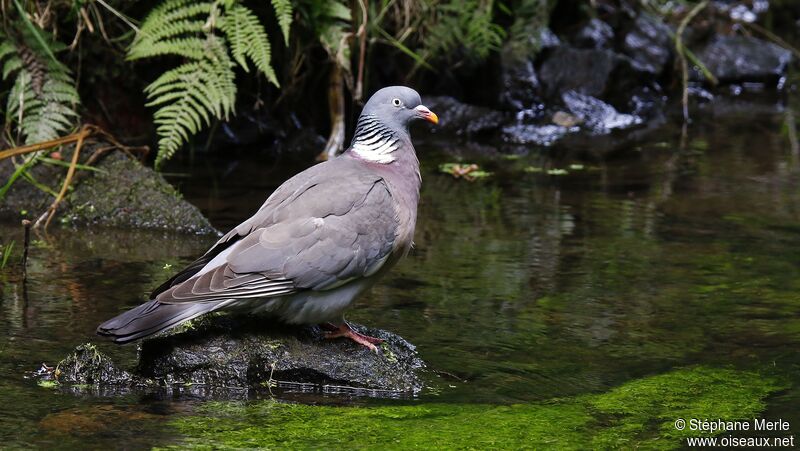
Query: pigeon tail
x=151 y=318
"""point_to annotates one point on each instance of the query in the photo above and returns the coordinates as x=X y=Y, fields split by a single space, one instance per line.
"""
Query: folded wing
x=325 y=233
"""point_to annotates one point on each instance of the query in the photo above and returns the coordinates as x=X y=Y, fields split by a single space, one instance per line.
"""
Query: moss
x=47 y=384
x=638 y=414
x=122 y=193
x=644 y=411
x=128 y=194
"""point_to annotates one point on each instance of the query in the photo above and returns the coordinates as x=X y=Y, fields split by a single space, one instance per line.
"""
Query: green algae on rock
x=224 y=356
x=235 y=351
x=122 y=193
x=638 y=414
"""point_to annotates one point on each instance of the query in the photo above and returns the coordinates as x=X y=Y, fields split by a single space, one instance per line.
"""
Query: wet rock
x=596 y=115
x=743 y=11
x=548 y=39
x=464 y=119
x=521 y=87
x=648 y=44
x=123 y=193
x=128 y=194
x=88 y=366
x=737 y=59
x=233 y=352
x=538 y=134
x=596 y=34
x=565 y=119
x=588 y=71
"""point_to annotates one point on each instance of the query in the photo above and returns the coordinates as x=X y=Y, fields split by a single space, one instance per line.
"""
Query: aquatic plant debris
x=464 y=170
x=636 y=415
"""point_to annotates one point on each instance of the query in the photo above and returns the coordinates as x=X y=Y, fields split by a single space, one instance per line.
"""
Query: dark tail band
x=151 y=318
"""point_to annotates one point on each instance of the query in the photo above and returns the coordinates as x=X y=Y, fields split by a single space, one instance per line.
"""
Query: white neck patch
x=374 y=141
x=379 y=152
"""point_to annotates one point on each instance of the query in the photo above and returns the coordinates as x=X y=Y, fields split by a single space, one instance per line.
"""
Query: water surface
x=661 y=253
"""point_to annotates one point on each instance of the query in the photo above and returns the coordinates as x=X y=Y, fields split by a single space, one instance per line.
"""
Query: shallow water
x=660 y=254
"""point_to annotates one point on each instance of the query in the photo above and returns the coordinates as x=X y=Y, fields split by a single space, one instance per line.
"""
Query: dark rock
x=251 y=353
x=123 y=193
x=597 y=116
x=596 y=34
x=464 y=119
x=520 y=85
x=548 y=39
x=738 y=59
x=128 y=194
x=588 y=71
x=648 y=44
x=86 y=365
x=647 y=103
x=743 y=11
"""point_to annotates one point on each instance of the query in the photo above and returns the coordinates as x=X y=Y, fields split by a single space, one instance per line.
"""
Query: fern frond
x=164 y=17
x=248 y=38
x=42 y=100
x=11 y=65
x=190 y=95
x=191 y=48
x=283 y=11
x=467 y=25
x=175 y=27
x=6 y=48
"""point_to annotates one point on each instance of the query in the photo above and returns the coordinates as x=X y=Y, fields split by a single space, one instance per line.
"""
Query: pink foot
x=345 y=330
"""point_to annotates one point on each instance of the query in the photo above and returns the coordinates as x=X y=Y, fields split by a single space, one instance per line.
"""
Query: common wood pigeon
x=319 y=241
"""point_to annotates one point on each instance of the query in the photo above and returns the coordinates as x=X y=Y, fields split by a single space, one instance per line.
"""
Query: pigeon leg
x=346 y=331
x=329 y=327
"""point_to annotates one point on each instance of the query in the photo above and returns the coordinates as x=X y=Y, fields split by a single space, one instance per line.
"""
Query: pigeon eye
x=396 y=102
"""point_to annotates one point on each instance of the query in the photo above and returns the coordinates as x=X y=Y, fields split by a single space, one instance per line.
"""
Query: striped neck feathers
x=374 y=141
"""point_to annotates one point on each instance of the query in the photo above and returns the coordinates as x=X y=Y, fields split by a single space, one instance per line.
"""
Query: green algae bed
x=640 y=414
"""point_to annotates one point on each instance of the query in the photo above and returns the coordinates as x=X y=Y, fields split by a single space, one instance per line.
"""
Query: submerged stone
x=228 y=352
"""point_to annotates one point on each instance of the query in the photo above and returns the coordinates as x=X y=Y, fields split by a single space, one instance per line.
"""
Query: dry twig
x=79 y=137
x=48 y=215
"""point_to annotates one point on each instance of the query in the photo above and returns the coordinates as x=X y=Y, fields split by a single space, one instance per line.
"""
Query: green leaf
x=283 y=10
x=248 y=38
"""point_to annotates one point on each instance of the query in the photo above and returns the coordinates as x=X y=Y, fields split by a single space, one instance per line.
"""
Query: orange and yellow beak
x=427 y=114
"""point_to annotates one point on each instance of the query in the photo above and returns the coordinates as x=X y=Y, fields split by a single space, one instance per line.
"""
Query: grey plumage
x=319 y=241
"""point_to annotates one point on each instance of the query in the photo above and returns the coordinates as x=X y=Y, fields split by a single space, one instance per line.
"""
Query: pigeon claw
x=346 y=331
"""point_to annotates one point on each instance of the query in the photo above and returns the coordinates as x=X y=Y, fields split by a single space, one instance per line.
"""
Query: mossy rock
x=225 y=356
x=121 y=193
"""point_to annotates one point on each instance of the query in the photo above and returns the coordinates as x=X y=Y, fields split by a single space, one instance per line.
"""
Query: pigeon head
x=397 y=106
x=382 y=129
